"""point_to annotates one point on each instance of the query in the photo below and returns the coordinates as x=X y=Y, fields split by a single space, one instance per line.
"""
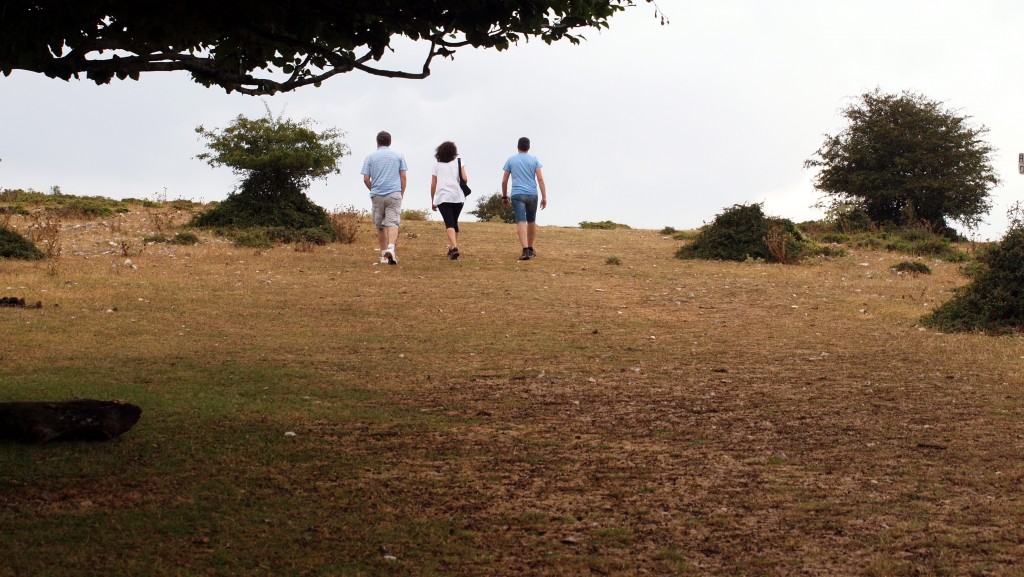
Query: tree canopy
x=906 y=159
x=266 y=46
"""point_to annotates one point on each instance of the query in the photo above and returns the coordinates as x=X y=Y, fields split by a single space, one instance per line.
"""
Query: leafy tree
x=490 y=209
x=277 y=159
x=905 y=159
x=267 y=46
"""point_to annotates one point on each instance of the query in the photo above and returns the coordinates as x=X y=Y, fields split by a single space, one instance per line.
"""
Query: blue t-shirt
x=523 y=168
x=384 y=166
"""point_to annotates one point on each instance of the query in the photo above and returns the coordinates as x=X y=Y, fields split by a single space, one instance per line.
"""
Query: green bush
x=743 y=232
x=13 y=245
x=252 y=238
x=668 y=231
x=490 y=209
x=912 y=267
x=185 y=239
x=994 y=300
x=603 y=225
x=613 y=260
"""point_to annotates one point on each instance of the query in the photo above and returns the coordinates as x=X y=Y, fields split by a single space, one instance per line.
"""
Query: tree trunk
x=80 y=420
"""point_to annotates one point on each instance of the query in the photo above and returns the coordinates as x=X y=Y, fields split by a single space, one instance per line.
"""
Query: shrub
x=185 y=239
x=613 y=260
x=994 y=300
x=490 y=209
x=413 y=214
x=345 y=224
x=602 y=225
x=13 y=245
x=668 y=231
x=912 y=267
x=742 y=232
x=919 y=242
x=294 y=211
x=252 y=238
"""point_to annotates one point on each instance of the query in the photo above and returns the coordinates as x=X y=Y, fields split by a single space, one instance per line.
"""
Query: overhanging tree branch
x=264 y=46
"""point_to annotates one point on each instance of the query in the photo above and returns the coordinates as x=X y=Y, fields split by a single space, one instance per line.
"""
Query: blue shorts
x=525 y=207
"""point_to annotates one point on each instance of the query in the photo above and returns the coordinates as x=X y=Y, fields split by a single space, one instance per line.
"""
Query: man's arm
x=504 y=187
x=402 y=176
x=366 y=181
x=543 y=189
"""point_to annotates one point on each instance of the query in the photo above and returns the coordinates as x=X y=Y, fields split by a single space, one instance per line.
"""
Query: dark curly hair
x=446 y=152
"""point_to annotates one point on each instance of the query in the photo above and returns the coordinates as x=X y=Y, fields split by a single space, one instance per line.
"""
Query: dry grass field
x=312 y=413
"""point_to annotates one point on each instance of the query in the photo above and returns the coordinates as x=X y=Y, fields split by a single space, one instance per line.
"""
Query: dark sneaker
x=533 y=253
x=526 y=255
x=454 y=254
x=390 y=256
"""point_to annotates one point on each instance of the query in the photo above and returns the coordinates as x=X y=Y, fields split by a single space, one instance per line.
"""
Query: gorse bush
x=742 y=232
x=912 y=267
x=994 y=300
x=15 y=246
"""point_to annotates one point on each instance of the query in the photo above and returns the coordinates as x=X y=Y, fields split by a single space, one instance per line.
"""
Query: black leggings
x=450 y=213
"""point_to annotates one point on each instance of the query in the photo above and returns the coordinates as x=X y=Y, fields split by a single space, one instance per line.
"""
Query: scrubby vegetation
x=345 y=223
x=744 y=232
x=13 y=245
x=603 y=225
x=292 y=216
x=65 y=206
x=415 y=214
x=912 y=267
x=994 y=300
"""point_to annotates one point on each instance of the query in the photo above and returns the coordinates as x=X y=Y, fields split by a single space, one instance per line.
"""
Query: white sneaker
x=383 y=260
x=389 y=257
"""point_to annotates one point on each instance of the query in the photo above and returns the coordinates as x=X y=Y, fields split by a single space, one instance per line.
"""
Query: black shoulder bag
x=462 y=183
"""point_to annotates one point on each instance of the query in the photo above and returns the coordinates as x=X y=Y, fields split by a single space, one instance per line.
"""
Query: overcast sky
x=642 y=124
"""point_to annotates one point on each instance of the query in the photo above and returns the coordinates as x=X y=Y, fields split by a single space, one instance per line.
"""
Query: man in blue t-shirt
x=384 y=176
x=524 y=170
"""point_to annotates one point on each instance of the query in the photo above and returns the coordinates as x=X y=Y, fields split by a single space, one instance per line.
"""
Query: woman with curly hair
x=446 y=195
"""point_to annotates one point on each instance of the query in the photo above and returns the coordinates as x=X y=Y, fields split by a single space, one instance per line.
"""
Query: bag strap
x=460 y=170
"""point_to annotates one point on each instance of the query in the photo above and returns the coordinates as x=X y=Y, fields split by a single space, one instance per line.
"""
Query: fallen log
x=78 y=420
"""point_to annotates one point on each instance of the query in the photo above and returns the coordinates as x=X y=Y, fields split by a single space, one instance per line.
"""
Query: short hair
x=524 y=144
x=446 y=152
x=383 y=138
